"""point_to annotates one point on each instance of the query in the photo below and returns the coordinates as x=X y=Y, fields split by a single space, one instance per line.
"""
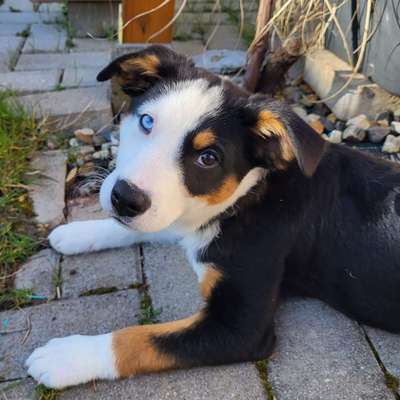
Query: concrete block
x=72 y=108
x=321 y=354
x=90 y=315
x=9 y=29
x=48 y=190
x=80 y=77
x=45 y=39
x=27 y=82
x=112 y=269
x=9 y=50
x=225 y=37
x=51 y=7
x=90 y=45
x=28 y=17
x=188 y=48
x=39 y=273
x=29 y=62
x=327 y=74
x=388 y=347
x=221 y=61
x=20 y=5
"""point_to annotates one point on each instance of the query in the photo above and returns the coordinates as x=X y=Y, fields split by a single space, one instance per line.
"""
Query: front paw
x=72 y=360
x=74 y=238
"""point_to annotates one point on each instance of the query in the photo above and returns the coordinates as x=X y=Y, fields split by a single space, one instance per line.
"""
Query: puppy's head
x=194 y=143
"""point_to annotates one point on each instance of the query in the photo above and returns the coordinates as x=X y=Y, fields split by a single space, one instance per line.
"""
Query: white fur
x=73 y=360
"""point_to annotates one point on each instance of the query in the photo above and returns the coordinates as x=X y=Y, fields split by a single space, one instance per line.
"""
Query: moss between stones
x=102 y=290
x=44 y=393
x=262 y=367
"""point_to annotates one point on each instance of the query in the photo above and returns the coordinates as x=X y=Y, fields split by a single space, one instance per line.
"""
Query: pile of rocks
x=383 y=131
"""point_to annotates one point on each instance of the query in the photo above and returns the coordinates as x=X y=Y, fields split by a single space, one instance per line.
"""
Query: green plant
x=111 y=33
x=15 y=298
x=148 y=315
x=262 y=367
x=24 y=33
x=12 y=59
x=44 y=393
x=59 y=87
x=14 y=10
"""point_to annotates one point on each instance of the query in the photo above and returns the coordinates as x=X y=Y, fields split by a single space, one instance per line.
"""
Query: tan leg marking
x=203 y=140
x=211 y=278
x=135 y=352
x=226 y=190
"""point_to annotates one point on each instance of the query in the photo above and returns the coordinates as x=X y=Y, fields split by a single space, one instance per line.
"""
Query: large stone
x=34 y=326
x=80 y=77
x=221 y=61
x=321 y=354
x=376 y=134
x=39 y=274
x=29 y=62
x=189 y=48
x=327 y=74
x=335 y=136
x=392 y=144
x=105 y=271
x=73 y=108
x=388 y=347
x=47 y=190
x=28 y=17
x=45 y=39
x=354 y=134
x=360 y=121
x=9 y=29
x=28 y=82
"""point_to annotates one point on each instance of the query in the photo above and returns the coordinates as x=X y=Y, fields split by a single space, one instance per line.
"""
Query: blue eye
x=146 y=122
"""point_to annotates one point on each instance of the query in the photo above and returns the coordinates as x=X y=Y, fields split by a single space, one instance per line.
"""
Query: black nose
x=128 y=200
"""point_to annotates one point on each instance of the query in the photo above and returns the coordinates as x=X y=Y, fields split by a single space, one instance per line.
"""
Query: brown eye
x=208 y=159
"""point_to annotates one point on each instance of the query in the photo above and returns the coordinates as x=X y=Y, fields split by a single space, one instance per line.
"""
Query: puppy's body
x=261 y=204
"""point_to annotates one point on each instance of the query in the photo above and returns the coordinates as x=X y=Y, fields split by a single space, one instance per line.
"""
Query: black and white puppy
x=262 y=205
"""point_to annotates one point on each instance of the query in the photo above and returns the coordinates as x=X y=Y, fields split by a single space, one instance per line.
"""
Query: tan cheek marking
x=269 y=124
x=203 y=140
x=135 y=353
x=211 y=278
x=223 y=193
x=147 y=64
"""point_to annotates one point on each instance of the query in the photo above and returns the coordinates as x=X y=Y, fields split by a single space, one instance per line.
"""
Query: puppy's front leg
x=231 y=328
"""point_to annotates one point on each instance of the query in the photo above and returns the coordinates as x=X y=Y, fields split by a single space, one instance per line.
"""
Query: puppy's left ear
x=138 y=72
x=279 y=136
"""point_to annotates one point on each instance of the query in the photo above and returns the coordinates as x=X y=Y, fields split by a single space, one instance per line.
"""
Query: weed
x=70 y=43
x=183 y=37
x=110 y=33
x=12 y=59
x=59 y=87
x=262 y=367
x=24 y=33
x=103 y=290
x=15 y=298
x=14 y=10
x=44 y=393
x=148 y=315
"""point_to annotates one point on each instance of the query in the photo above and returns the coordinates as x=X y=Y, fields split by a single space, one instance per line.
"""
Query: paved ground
x=320 y=353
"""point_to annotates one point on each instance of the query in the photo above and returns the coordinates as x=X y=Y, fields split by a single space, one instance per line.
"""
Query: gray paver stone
x=388 y=347
x=90 y=315
x=29 y=62
x=321 y=354
x=9 y=48
x=221 y=61
x=28 y=82
x=188 y=48
x=87 y=45
x=28 y=17
x=48 y=190
x=80 y=77
x=38 y=273
x=72 y=108
x=45 y=39
x=20 y=5
x=7 y=29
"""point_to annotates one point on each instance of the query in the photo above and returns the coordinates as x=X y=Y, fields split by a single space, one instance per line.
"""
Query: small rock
x=396 y=115
x=396 y=126
x=329 y=126
x=392 y=144
x=354 y=134
x=51 y=145
x=301 y=112
x=309 y=100
x=361 y=121
x=98 y=140
x=71 y=177
x=387 y=116
x=87 y=169
x=314 y=121
x=106 y=146
x=221 y=61
x=73 y=142
x=84 y=150
x=335 y=136
x=85 y=135
x=340 y=125
x=114 y=151
x=376 y=134
x=332 y=118
x=383 y=122
x=101 y=155
x=112 y=164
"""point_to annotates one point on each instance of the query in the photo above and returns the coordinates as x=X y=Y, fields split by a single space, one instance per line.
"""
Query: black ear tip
x=103 y=75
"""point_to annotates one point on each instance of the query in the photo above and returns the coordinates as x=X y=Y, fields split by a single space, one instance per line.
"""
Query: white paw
x=73 y=360
x=74 y=238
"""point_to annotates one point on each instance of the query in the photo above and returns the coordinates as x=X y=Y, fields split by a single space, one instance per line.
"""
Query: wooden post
x=139 y=30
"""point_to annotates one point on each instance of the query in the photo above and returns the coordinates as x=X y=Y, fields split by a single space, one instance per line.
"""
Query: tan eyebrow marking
x=204 y=139
x=226 y=189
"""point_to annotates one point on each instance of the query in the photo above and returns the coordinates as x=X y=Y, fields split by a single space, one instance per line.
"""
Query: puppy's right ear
x=137 y=72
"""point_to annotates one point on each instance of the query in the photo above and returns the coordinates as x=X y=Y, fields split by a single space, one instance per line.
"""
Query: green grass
x=44 y=393
x=15 y=298
x=19 y=139
x=148 y=315
x=14 y=10
x=24 y=33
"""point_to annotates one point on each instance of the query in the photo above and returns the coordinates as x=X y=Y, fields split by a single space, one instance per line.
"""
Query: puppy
x=262 y=205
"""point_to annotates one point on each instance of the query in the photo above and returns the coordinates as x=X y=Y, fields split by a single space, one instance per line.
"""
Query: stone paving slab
x=173 y=286
x=109 y=270
x=388 y=347
x=90 y=45
x=28 y=82
x=321 y=354
x=10 y=29
x=30 y=62
x=47 y=190
x=81 y=77
x=39 y=274
x=20 y=5
x=45 y=39
x=28 y=17
x=90 y=315
x=221 y=61
x=72 y=108
x=188 y=48
x=9 y=48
